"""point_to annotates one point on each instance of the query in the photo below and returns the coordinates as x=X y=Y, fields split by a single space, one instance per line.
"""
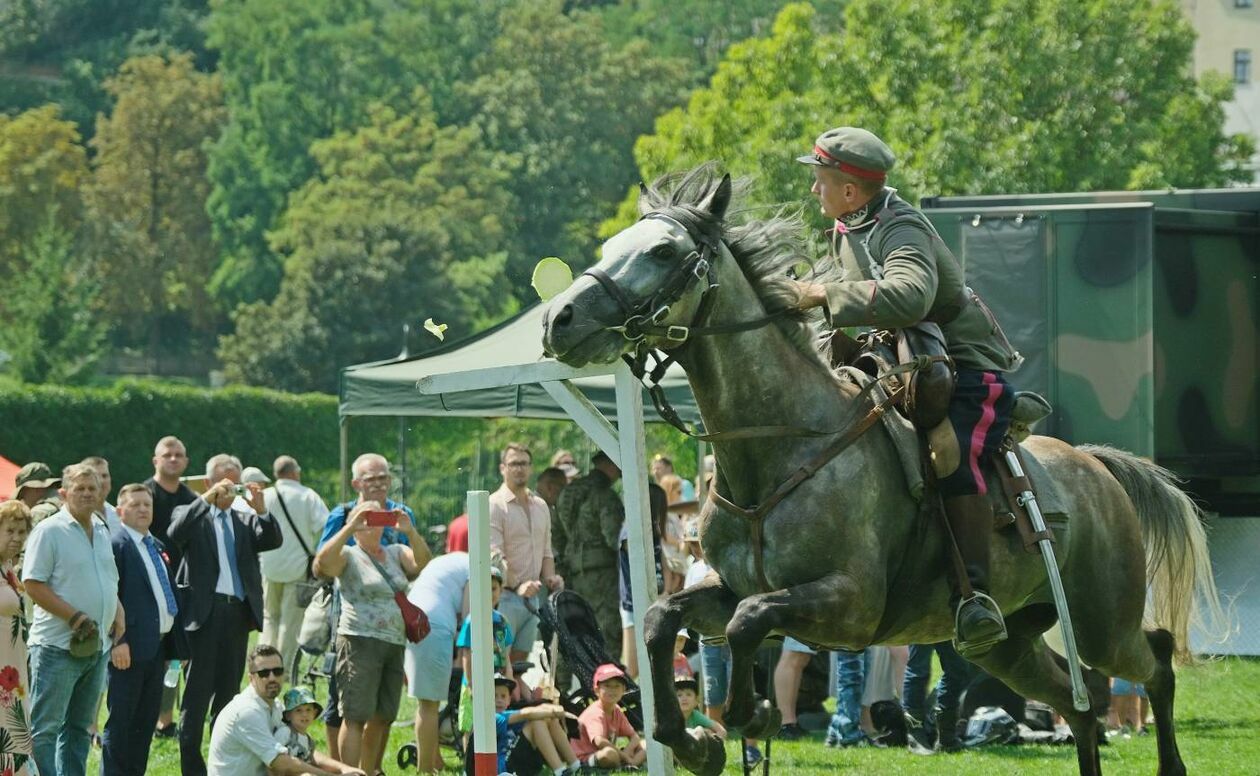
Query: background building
x=1229 y=42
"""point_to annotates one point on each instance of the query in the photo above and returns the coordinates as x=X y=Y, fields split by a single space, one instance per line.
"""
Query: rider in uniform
x=897 y=273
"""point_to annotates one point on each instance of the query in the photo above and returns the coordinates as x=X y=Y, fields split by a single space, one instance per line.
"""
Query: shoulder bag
x=307 y=588
x=415 y=621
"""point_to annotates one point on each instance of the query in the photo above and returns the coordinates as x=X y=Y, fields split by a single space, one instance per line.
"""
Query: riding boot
x=977 y=620
x=947 y=730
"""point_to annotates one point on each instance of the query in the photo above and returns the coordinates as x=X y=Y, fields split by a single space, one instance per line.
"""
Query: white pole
x=642 y=560
x=485 y=747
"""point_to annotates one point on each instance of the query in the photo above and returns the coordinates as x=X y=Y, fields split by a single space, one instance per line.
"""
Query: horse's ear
x=720 y=199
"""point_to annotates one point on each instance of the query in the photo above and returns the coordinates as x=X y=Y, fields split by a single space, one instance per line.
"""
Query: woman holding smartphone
x=370 y=634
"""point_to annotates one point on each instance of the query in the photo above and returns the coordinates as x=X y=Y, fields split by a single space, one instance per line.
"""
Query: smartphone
x=381 y=519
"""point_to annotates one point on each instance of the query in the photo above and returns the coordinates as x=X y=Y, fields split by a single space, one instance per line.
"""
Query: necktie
x=160 y=569
x=229 y=544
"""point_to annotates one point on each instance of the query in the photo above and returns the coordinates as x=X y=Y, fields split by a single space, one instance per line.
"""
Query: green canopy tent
x=388 y=388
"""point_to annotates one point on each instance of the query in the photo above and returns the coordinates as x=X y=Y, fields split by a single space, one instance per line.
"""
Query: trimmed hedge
x=61 y=425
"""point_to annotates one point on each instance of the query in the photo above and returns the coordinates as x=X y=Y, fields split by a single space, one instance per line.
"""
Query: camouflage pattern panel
x=1071 y=285
x=1245 y=200
x=1207 y=310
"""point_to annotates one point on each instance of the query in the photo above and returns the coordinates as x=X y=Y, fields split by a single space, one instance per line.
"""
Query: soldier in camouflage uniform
x=36 y=486
x=899 y=273
x=588 y=522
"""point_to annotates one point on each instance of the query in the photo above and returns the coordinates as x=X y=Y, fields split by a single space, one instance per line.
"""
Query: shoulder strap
x=285 y=509
x=380 y=569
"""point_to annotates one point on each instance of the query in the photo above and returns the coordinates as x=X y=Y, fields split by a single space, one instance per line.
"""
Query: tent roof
x=388 y=388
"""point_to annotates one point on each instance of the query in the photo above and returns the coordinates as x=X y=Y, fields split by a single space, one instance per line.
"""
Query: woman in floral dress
x=15 y=723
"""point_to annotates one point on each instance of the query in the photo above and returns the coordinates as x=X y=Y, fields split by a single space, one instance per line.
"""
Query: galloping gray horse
x=847 y=559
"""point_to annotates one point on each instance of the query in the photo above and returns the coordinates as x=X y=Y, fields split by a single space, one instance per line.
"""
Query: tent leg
x=345 y=459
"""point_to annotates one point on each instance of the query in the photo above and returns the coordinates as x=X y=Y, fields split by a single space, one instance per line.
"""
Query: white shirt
x=111 y=518
x=224 y=585
x=308 y=513
x=243 y=741
x=165 y=618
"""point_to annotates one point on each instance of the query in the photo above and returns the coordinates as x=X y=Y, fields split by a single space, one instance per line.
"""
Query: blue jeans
x=955 y=675
x=715 y=664
x=846 y=723
x=64 y=693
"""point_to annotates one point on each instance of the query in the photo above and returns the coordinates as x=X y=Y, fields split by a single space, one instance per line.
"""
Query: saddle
x=922 y=420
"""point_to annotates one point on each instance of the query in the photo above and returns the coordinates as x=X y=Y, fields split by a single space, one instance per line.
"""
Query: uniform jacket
x=588 y=523
x=898 y=272
x=137 y=596
x=192 y=531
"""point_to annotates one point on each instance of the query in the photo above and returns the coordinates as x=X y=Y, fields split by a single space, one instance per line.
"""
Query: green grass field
x=1218 y=724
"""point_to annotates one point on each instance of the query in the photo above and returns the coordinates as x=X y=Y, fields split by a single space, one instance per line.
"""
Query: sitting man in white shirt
x=243 y=741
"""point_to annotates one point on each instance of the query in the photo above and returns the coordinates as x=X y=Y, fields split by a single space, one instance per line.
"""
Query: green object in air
x=551 y=276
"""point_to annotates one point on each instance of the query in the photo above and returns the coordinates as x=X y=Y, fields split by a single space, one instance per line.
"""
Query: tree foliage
x=974 y=96
x=296 y=71
x=152 y=237
x=42 y=167
x=49 y=329
x=569 y=113
x=402 y=222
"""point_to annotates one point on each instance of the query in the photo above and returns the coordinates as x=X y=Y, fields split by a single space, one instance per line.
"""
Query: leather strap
x=1014 y=487
x=955 y=555
x=755 y=515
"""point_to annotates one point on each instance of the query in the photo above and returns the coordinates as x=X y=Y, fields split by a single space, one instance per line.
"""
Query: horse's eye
x=665 y=252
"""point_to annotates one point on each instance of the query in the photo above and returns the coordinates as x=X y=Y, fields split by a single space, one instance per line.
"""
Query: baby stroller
x=582 y=646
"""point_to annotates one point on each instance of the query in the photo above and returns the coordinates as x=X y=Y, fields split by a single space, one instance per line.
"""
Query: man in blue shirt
x=371 y=480
x=70 y=575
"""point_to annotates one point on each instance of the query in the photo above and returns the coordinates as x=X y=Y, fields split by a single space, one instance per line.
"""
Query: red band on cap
x=860 y=172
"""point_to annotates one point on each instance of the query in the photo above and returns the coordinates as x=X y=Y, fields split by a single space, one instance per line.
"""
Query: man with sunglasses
x=243 y=742
x=897 y=273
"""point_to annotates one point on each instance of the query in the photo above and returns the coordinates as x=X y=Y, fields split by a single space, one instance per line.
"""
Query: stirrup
x=969 y=649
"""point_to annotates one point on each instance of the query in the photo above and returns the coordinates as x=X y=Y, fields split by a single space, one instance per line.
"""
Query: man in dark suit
x=220 y=595
x=146 y=589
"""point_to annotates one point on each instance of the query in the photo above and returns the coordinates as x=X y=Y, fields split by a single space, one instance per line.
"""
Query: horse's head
x=647 y=287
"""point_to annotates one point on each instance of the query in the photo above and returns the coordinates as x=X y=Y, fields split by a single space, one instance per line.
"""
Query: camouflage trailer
x=1137 y=314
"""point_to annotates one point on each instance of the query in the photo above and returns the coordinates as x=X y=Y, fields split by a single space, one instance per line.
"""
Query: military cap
x=36 y=475
x=852 y=150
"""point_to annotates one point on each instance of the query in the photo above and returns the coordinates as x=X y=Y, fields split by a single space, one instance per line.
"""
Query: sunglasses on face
x=266 y=672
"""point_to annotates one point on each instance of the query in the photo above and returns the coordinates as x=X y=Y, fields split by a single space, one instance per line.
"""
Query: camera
x=240 y=490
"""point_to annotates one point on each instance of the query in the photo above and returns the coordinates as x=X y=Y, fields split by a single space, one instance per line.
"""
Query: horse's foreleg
x=706 y=608
x=829 y=610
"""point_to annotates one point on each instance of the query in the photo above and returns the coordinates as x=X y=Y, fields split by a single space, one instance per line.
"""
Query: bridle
x=645 y=319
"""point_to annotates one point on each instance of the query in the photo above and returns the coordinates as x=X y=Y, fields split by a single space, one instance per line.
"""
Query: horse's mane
x=767 y=250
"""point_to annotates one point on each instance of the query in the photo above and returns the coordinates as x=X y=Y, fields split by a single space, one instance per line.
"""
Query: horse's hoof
x=766 y=721
x=701 y=752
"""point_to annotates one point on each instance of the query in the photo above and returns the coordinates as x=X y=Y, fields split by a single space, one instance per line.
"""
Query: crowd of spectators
x=166 y=587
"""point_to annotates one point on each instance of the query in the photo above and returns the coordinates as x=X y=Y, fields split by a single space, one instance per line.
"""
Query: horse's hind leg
x=705 y=607
x=1032 y=669
x=1161 y=688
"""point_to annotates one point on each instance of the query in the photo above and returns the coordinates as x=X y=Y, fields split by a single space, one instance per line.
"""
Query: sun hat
x=605 y=672
x=301 y=696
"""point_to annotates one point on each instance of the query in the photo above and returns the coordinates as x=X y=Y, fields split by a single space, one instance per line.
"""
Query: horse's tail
x=1178 y=567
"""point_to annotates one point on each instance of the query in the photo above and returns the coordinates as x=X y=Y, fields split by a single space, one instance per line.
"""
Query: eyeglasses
x=266 y=672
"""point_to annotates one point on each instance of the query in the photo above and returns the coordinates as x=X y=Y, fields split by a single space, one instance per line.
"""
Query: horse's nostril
x=565 y=317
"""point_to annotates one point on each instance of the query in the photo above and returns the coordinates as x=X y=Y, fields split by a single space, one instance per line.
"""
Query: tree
x=42 y=167
x=153 y=241
x=570 y=111
x=975 y=96
x=49 y=327
x=296 y=71
x=403 y=222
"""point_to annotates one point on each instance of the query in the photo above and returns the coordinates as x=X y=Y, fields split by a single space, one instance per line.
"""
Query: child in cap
x=300 y=710
x=529 y=738
x=688 y=691
x=604 y=723
x=502 y=639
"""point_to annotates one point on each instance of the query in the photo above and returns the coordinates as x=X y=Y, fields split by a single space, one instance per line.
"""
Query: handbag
x=307 y=588
x=415 y=621
x=316 y=632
